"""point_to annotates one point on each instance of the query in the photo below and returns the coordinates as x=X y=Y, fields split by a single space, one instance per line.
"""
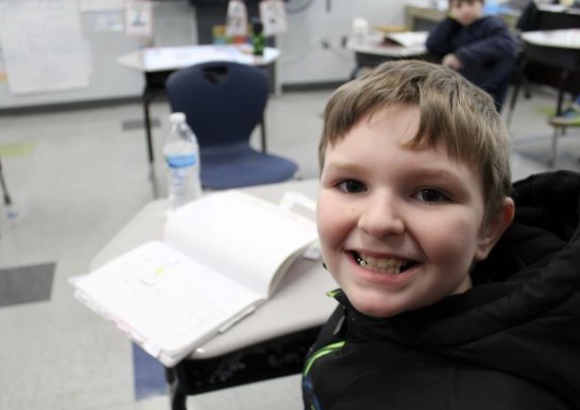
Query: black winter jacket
x=512 y=342
x=486 y=48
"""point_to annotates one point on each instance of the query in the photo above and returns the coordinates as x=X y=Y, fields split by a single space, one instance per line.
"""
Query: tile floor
x=76 y=177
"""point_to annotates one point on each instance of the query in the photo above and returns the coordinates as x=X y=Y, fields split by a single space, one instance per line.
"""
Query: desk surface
x=375 y=44
x=173 y=58
x=558 y=8
x=298 y=304
x=567 y=38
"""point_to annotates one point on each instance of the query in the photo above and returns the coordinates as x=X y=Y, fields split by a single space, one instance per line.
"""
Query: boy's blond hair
x=466 y=1
x=452 y=111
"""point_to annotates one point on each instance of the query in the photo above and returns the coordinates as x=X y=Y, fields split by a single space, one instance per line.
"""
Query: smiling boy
x=414 y=194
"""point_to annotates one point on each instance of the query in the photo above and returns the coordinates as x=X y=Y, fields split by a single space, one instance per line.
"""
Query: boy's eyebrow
x=426 y=170
x=338 y=166
x=438 y=173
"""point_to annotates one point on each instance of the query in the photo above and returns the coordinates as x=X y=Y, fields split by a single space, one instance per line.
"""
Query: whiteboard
x=42 y=46
x=174 y=25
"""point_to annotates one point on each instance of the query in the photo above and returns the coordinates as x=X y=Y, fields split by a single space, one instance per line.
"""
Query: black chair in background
x=528 y=21
x=223 y=103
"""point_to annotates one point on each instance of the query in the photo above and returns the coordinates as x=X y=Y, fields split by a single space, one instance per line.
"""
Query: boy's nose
x=381 y=217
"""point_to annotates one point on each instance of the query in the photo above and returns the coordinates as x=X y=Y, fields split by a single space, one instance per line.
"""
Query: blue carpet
x=149 y=375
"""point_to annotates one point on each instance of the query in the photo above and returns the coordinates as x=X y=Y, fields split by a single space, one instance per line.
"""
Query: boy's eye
x=352 y=186
x=431 y=195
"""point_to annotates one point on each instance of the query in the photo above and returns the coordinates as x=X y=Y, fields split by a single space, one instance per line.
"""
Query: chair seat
x=233 y=166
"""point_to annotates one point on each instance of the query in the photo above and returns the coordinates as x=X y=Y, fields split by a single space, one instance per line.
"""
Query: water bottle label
x=181 y=161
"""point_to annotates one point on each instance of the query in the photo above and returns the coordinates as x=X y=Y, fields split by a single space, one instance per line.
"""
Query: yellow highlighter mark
x=159 y=271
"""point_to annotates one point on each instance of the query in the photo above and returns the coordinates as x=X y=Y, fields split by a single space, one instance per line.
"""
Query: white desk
x=374 y=49
x=298 y=304
x=156 y=64
x=375 y=44
x=173 y=58
x=566 y=38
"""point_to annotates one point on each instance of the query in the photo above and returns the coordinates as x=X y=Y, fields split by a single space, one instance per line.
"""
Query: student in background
x=446 y=301
x=480 y=47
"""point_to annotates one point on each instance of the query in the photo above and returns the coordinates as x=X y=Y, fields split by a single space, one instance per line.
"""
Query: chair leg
x=552 y=160
x=527 y=89
x=513 y=100
x=7 y=199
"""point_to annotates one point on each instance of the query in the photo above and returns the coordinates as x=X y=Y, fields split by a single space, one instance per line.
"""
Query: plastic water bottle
x=181 y=154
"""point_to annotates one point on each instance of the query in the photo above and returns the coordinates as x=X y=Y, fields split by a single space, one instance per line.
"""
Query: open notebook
x=221 y=257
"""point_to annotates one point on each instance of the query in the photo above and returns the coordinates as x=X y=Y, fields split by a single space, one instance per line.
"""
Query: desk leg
x=178 y=399
x=563 y=78
x=177 y=396
x=147 y=98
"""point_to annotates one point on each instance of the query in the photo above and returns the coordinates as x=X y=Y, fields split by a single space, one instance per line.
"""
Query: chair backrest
x=223 y=101
x=528 y=20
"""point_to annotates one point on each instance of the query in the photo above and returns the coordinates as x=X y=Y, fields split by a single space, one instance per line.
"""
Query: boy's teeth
x=388 y=265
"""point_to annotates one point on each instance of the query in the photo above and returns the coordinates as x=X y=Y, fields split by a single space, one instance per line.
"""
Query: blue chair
x=223 y=103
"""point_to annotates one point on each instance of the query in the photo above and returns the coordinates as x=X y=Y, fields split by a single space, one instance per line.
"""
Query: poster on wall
x=236 y=19
x=42 y=46
x=138 y=19
x=273 y=16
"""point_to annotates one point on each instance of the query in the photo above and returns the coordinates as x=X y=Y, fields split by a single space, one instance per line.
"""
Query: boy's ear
x=494 y=229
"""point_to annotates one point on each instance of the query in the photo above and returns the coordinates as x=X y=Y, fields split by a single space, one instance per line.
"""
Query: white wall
x=304 y=59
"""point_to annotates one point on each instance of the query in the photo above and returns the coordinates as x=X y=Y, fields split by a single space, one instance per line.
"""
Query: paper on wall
x=273 y=16
x=139 y=19
x=236 y=19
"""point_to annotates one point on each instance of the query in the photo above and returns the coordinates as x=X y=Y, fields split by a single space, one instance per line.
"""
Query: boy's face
x=384 y=208
x=465 y=12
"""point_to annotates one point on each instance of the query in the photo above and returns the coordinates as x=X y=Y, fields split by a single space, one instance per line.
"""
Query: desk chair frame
x=559 y=131
x=519 y=80
x=279 y=357
x=6 y=195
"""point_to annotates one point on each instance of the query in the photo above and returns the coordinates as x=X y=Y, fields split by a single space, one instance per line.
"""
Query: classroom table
x=555 y=48
x=158 y=63
x=287 y=323
x=373 y=49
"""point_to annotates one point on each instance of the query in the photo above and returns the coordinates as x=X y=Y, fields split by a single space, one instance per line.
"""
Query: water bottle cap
x=177 y=118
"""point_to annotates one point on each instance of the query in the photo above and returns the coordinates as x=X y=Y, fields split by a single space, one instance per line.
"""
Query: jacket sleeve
x=439 y=39
x=496 y=43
